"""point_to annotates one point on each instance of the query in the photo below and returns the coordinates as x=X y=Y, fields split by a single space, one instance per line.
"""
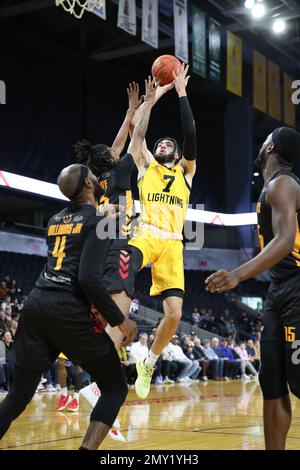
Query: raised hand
x=181 y=79
x=150 y=89
x=133 y=96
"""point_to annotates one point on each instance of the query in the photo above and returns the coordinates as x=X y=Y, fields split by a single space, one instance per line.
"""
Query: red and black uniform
x=118 y=277
x=56 y=317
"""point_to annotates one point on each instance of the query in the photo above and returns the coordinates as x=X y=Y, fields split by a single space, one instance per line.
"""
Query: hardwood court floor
x=216 y=415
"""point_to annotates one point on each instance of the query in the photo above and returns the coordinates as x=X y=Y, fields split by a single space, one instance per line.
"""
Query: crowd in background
x=185 y=359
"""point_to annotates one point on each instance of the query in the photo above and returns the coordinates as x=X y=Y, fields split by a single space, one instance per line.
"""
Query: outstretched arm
x=188 y=162
x=159 y=92
x=134 y=103
x=282 y=196
x=139 y=133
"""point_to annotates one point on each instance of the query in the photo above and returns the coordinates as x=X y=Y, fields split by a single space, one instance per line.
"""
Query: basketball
x=163 y=67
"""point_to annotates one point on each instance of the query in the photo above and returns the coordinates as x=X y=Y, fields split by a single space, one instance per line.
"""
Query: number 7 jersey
x=164 y=197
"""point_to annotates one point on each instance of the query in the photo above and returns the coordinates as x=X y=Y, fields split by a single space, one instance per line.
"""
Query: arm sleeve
x=123 y=171
x=189 y=129
x=92 y=262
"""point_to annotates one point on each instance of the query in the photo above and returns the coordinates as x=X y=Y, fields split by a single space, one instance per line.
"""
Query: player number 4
x=59 y=251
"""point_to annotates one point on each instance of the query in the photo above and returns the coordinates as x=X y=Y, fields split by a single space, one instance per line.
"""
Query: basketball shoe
x=143 y=381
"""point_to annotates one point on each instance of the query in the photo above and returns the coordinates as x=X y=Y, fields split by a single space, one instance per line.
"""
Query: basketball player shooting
x=164 y=180
x=114 y=177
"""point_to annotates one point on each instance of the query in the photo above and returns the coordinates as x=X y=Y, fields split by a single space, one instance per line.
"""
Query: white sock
x=64 y=391
x=76 y=396
x=151 y=359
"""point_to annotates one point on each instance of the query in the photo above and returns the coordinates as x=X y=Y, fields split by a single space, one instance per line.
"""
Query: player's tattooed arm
x=134 y=103
x=139 y=133
x=160 y=91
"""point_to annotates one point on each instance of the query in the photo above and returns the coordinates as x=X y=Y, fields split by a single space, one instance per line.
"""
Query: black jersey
x=291 y=263
x=117 y=185
x=76 y=259
x=66 y=233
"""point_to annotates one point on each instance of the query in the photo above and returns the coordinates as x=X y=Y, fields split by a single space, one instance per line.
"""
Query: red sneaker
x=63 y=402
x=116 y=435
x=73 y=405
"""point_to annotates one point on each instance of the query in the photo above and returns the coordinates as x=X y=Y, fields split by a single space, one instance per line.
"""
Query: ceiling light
x=249 y=4
x=256 y=174
x=258 y=10
x=279 y=26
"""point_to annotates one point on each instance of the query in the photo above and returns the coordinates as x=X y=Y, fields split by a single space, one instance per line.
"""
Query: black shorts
x=56 y=321
x=280 y=341
x=118 y=275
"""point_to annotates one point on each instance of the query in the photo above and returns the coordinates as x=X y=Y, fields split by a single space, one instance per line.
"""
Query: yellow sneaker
x=142 y=383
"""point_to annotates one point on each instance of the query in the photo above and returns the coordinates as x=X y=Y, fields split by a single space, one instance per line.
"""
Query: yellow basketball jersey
x=164 y=196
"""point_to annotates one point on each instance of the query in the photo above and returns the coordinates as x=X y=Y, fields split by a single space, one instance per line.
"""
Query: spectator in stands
x=253 y=356
x=257 y=348
x=253 y=333
x=129 y=369
x=234 y=364
x=177 y=355
x=186 y=339
x=192 y=356
x=214 y=361
x=200 y=356
x=242 y=352
x=244 y=322
x=8 y=365
x=2 y=370
x=231 y=328
x=139 y=350
x=195 y=317
x=3 y=289
x=3 y=324
x=215 y=344
x=134 y=306
x=13 y=287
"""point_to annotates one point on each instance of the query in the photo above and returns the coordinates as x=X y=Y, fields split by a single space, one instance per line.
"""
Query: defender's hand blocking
x=133 y=96
x=129 y=330
x=150 y=89
x=221 y=281
x=181 y=79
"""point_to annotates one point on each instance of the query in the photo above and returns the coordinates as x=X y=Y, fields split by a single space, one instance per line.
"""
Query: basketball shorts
x=280 y=341
x=56 y=321
x=118 y=276
x=166 y=257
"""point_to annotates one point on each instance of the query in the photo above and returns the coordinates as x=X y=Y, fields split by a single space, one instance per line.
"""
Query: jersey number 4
x=170 y=182
x=59 y=251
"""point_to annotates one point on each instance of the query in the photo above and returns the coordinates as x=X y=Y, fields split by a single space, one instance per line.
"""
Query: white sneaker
x=50 y=388
x=181 y=380
x=168 y=381
x=245 y=377
x=40 y=388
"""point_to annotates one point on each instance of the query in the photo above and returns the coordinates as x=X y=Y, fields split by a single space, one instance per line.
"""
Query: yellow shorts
x=166 y=257
x=62 y=356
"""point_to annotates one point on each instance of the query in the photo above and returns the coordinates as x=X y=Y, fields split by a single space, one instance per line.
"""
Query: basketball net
x=78 y=7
